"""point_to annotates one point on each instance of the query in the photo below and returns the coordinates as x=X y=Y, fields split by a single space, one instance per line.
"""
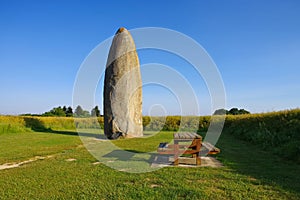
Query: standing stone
x=122 y=89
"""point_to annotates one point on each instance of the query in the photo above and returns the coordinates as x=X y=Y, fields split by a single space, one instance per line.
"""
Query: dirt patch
x=154 y=185
x=210 y=162
x=164 y=161
x=70 y=159
x=14 y=165
x=18 y=164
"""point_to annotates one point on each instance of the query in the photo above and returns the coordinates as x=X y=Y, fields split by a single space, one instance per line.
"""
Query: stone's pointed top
x=120 y=30
x=122 y=43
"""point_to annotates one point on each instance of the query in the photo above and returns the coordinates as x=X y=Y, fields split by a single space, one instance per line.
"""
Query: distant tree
x=78 y=111
x=221 y=112
x=236 y=111
x=85 y=113
x=29 y=114
x=26 y=114
x=58 y=111
x=243 y=111
x=233 y=111
x=69 y=112
x=95 y=112
x=64 y=109
x=47 y=114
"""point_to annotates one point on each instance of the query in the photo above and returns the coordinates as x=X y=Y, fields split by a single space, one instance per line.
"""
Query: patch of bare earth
x=164 y=161
x=70 y=159
x=14 y=165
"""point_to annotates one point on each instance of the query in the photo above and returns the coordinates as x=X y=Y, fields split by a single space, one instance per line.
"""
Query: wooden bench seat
x=208 y=148
x=173 y=151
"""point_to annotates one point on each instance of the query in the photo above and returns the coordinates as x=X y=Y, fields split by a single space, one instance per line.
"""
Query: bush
x=12 y=124
x=276 y=131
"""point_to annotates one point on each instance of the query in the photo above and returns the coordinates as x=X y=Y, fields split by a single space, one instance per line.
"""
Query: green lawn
x=249 y=172
x=21 y=146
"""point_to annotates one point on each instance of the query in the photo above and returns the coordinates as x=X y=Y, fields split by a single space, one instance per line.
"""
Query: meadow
x=260 y=158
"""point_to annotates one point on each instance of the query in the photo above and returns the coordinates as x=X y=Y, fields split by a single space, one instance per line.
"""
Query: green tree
x=233 y=111
x=78 y=111
x=236 y=111
x=243 y=111
x=58 y=111
x=69 y=112
x=85 y=113
x=95 y=112
x=64 y=109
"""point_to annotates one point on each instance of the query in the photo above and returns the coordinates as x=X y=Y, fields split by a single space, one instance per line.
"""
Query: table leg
x=176 y=153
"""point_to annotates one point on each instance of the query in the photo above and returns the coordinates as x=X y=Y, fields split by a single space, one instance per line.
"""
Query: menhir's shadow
x=84 y=134
x=130 y=155
x=36 y=125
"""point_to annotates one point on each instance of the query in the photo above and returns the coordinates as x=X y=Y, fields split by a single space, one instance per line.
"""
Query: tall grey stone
x=122 y=89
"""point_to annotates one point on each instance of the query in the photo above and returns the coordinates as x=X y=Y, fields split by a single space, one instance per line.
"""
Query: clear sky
x=255 y=44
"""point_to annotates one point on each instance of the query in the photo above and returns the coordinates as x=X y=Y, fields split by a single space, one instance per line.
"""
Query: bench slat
x=186 y=135
x=172 y=151
x=210 y=147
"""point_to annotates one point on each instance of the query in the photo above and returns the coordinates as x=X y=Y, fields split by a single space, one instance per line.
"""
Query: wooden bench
x=208 y=148
x=191 y=147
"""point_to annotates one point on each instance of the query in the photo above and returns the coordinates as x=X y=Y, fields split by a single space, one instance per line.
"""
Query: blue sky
x=255 y=44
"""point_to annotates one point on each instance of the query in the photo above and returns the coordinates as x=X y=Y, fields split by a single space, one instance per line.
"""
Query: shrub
x=276 y=131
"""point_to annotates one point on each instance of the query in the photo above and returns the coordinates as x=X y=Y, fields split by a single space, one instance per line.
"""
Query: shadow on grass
x=84 y=134
x=129 y=155
x=120 y=155
x=263 y=166
x=38 y=126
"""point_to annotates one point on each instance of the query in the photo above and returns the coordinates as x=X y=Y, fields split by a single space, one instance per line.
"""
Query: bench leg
x=198 y=159
x=176 y=155
x=176 y=159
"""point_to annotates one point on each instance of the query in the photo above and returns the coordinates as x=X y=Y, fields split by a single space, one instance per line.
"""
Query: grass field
x=248 y=172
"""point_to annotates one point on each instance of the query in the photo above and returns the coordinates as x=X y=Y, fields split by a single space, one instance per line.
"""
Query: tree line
x=232 y=111
x=95 y=112
x=68 y=112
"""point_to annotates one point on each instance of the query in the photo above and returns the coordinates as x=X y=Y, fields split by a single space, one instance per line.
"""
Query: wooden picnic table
x=187 y=148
